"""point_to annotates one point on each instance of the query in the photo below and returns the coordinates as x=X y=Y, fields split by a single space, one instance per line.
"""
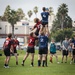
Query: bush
x=59 y=35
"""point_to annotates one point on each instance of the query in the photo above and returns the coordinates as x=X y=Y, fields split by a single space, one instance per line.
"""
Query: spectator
x=53 y=51
x=65 y=46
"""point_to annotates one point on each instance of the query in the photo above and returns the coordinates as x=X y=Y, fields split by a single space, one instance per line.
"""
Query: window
x=16 y=28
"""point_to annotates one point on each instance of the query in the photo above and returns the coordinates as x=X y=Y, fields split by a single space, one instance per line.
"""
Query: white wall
x=4 y=27
x=18 y=28
x=2 y=42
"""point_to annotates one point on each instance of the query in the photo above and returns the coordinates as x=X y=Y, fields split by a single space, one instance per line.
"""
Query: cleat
x=32 y=65
x=6 y=66
x=22 y=64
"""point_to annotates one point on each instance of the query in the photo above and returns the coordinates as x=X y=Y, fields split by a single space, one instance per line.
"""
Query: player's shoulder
x=43 y=12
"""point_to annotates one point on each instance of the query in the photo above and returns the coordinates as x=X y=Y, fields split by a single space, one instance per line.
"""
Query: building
x=21 y=29
x=51 y=19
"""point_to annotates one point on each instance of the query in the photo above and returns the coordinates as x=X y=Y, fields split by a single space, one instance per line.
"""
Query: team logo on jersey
x=44 y=15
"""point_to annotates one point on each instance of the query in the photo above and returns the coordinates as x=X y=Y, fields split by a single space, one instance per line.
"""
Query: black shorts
x=52 y=52
x=15 y=51
x=7 y=52
x=65 y=53
x=47 y=50
x=37 y=32
x=44 y=23
x=30 y=50
x=73 y=52
x=42 y=51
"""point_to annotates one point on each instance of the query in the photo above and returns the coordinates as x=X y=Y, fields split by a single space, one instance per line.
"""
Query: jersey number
x=42 y=40
x=30 y=41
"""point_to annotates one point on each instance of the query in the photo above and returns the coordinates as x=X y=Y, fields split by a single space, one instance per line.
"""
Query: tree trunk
x=62 y=22
x=13 y=30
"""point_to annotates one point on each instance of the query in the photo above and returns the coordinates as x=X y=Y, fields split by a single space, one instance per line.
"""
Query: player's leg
x=46 y=60
x=43 y=60
x=7 y=58
x=39 y=60
x=46 y=56
x=39 y=57
x=74 y=55
x=16 y=58
x=32 y=59
x=32 y=51
x=7 y=62
x=25 y=57
x=69 y=53
x=62 y=58
x=51 y=55
x=66 y=56
x=56 y=57
x=74 y=58
x=63 y=54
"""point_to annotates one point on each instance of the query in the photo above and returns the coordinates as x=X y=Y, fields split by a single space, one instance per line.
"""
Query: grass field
x=52 y=69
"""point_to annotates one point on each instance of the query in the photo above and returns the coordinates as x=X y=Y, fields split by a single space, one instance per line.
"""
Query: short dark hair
x=31 y=34
x=9 y=35
x=36 y=20
x=43 y=8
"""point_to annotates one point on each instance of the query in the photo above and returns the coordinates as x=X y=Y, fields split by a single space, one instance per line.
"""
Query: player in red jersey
x=30 y=49
x=7 y=48
x=15 y=44
x=36 y=26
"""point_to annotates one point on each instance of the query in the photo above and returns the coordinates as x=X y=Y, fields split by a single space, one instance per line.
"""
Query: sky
x=27 y=5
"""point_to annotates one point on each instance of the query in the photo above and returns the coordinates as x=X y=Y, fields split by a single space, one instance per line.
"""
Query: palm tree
x=20 y=13
x=11 y=16
x=29 y=13
x=12 y=19
x=62 y=12
x=51 y=11
x=6 y=13
x=35 y=10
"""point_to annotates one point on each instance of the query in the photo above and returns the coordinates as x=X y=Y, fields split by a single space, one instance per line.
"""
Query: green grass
x=52 y=69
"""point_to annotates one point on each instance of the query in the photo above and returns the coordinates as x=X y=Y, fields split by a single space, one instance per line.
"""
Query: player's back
x=44 y=16
x=42 y=41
